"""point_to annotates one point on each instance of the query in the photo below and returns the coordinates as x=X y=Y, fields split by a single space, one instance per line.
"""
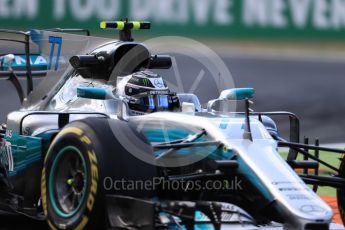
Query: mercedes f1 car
x=104 y=142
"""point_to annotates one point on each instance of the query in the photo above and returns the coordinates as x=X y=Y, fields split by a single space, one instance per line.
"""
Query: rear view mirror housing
x=105 y=94
x=236 y=94
x=94 y=93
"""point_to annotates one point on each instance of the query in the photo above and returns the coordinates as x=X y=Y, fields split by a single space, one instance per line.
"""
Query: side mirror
x=95 y=93
x=235 y=94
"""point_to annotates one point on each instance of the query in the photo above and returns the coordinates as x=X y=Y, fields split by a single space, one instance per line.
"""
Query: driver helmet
x=146 y=92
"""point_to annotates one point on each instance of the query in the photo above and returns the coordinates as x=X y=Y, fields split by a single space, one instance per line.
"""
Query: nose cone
x=296 y=203
x=309 y=213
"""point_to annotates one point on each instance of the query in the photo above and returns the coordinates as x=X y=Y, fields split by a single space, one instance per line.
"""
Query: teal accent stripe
x=31 y=160
x=26 y=150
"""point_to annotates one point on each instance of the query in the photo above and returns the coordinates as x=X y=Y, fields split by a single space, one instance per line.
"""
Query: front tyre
x=70 y=181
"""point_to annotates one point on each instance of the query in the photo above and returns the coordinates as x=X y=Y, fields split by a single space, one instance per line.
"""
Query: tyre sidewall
x=86 y=215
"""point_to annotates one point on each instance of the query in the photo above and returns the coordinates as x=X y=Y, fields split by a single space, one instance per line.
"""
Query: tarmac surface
x=312 y=89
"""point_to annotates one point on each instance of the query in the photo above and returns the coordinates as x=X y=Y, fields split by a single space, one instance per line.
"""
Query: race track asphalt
x=312 y=89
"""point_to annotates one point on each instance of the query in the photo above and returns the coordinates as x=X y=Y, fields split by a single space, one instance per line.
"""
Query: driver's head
x=147 y=92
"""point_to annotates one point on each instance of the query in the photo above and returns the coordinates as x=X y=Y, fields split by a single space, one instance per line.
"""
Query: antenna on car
x=125 y=28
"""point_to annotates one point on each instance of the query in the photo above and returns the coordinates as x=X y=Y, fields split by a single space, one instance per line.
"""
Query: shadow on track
x=15 y=222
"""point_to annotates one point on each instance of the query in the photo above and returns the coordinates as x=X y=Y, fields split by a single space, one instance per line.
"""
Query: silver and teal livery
x=76 y=130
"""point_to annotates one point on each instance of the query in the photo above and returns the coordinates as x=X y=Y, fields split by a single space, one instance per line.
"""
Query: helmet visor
x=151 y=103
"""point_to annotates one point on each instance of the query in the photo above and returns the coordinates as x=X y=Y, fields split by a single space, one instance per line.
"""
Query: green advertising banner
x=267 y=19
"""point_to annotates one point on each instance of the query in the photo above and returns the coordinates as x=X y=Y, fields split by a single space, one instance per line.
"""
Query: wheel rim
x=68 y=182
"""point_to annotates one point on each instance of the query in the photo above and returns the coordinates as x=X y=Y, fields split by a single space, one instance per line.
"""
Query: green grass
x=330 y=158
x=326 y=191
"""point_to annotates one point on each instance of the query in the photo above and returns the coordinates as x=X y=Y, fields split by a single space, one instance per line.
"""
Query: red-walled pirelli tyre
x=341 y=192
x=81 y=156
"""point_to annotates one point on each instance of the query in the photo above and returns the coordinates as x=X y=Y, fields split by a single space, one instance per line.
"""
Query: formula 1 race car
x=104 y=142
